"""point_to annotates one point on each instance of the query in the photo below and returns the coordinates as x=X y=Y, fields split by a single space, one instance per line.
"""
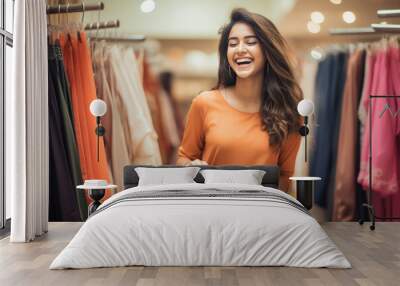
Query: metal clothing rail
x=72 y=8
x=388 y=13
x=352 y=31
x=369 y=205
x=386 y=28
x=102 y=25
x=373 y=29
x=132 y=38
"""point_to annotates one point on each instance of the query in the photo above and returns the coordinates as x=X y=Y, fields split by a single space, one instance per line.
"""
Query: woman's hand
x=196 y=162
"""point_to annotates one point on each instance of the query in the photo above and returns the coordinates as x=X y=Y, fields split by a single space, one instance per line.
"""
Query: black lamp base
x=305 y=191
x=96 y=195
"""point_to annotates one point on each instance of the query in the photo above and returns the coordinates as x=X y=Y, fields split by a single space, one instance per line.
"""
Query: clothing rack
x=102 y=25
x=371 y=30
x=72 y=8
x=369 y=205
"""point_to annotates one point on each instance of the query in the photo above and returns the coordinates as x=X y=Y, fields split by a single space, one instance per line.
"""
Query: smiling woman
x=250 y=117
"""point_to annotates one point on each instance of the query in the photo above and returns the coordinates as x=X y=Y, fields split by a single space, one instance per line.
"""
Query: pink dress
x=384 y=79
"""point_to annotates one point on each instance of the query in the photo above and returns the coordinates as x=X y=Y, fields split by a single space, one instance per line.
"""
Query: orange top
x=219 y=134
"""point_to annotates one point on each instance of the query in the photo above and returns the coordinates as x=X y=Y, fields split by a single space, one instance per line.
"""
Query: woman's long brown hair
x=280 y=92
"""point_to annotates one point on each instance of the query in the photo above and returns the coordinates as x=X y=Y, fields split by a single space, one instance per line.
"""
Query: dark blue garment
x=329 y=86
x=62 y=199
x=64 y=162
x=361 y=195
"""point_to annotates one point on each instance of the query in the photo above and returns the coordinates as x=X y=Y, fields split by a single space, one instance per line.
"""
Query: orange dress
x=219 y=134
x=80 y=75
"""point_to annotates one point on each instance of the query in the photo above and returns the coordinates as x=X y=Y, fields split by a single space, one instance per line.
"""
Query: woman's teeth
x=243 y=61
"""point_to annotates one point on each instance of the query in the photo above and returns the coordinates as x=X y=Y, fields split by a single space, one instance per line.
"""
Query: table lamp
x=305 y=109
x=98 y=108
x=305 y=185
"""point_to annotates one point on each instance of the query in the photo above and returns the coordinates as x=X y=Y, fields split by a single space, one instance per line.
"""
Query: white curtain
x=27 y=124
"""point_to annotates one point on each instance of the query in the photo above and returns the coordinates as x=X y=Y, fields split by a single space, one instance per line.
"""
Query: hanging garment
x=116 y=94
x=75 y=88
x=169 y=125
x=363 y=105
x=384 y=153
x=345 y=181
x=370 y=60
x=385 y=137
x=166 y=79
x=152 y=91
x=61 y=86
x=100 y=169
x=142 y=135
x=330 y=80
x=114 y=139
x=80 y=74
x=63 y=205
x=361 y=196
x=72 y=148
x=340 y=79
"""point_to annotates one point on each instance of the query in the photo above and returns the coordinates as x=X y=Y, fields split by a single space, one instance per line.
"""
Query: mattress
x=201 y=225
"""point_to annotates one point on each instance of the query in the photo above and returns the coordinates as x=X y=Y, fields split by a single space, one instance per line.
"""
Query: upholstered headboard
x=271 y=177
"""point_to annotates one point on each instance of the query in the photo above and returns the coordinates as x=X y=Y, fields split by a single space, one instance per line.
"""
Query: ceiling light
x=336 y=2
x=313 y=27
x=317 y=17
x=349 y=17
x=316 y=53
x=147 y=6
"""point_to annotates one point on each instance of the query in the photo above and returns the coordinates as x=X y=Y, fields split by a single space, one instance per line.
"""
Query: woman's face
x=244 y=52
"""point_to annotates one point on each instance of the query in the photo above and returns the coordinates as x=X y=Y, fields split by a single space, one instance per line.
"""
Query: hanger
x=97 y=31
x=82 y=20
x=57 y=36
x=392 y=113
x=98 y=24
x=49 y=30
x=67 y=25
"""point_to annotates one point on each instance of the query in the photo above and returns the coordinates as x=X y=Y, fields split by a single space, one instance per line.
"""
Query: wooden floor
x=375 y=257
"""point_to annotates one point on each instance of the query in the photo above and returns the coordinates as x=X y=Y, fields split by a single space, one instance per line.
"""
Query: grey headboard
x=271 y=177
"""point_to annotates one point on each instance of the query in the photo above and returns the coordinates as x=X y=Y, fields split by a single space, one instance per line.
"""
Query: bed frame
x=270 y=179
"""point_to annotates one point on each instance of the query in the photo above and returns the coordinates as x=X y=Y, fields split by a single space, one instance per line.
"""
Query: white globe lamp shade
x=98 y=107
x=305 y=107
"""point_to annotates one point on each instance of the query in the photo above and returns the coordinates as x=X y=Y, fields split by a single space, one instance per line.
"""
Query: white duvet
x=200 y=231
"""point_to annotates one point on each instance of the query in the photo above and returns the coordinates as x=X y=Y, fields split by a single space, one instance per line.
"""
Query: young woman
x=251 y=117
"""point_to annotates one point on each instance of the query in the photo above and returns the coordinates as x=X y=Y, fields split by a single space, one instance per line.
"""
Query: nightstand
x=96 y=193
x=305 y=187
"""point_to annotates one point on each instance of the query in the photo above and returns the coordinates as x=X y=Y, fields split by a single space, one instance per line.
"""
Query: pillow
x=248 y=177
x=162 y=176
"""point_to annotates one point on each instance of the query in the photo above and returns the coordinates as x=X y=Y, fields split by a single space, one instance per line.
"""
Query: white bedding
x=182 y=231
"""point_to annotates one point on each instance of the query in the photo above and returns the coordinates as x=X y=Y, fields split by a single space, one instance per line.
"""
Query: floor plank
x=375 y=257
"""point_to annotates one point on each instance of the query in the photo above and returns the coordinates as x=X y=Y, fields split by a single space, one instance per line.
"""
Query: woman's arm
x=183 y=161
x=191 y=149
x=187 y=162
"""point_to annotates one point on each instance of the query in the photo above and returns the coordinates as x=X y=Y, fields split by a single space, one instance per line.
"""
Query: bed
x=198 y=224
